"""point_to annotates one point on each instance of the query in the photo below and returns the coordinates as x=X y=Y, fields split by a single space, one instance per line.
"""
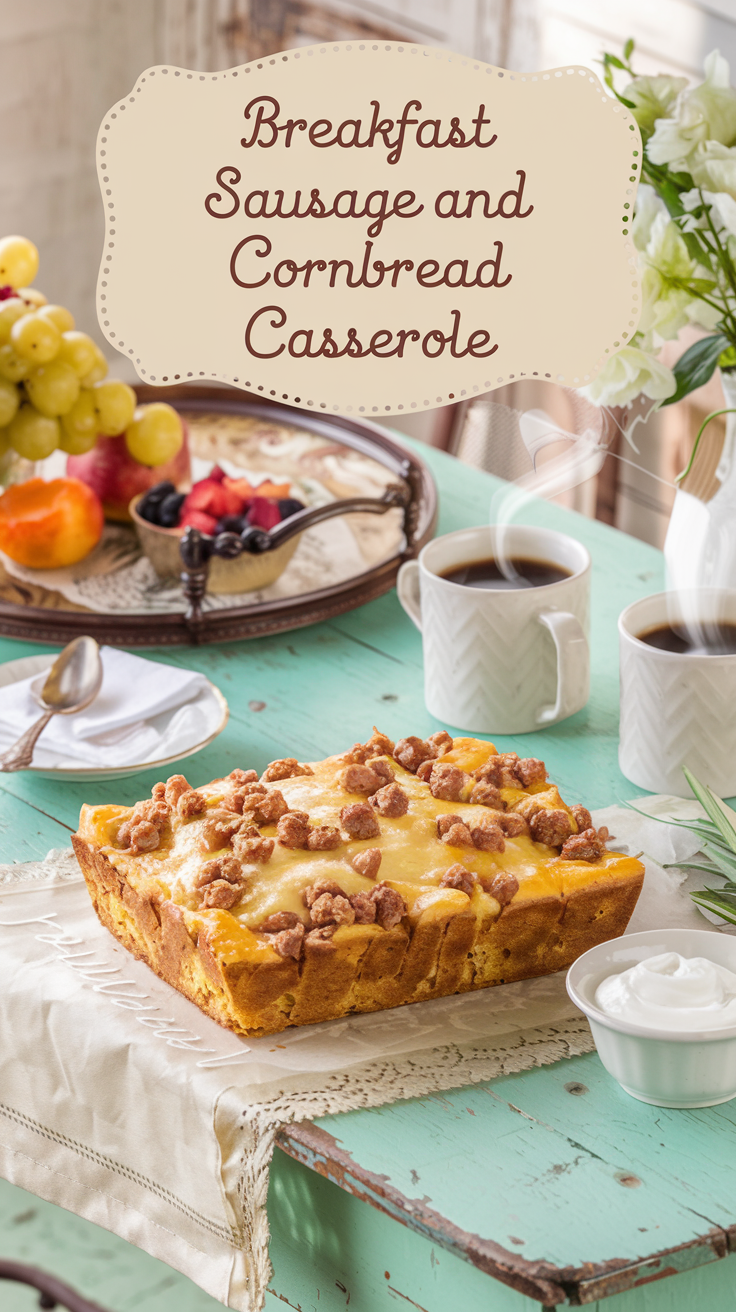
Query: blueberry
x=290 y=506
x=170 y=509
x=149 y=510
x=231 y=524
x=159 y=491
x=150 y=503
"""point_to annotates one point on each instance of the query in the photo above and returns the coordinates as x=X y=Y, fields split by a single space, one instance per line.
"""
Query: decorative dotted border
x=441 y=56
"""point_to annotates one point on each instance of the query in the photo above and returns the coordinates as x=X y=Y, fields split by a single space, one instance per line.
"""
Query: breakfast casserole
x=390 y=874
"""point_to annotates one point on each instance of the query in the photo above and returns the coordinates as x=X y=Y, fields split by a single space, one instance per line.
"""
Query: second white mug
x=508 y=660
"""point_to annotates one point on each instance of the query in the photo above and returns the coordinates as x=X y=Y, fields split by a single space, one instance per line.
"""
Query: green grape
x=79 y=351
x=18 y=262
x=11 y=365
x=4 y=441
x=35 y=339
x=57 y=315
x=98 y=370
x=33 y=298
x=10 y=310
x=32 y=435
x=53 y=388
x=81 y=420
x=76 y=444
x=115 y=406
x=9 y=401
x=155 y=435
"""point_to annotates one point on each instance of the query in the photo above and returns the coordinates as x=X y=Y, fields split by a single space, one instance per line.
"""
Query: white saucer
x=215 y=704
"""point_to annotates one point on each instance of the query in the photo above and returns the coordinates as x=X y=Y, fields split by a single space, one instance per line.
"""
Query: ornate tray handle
x=197 y=548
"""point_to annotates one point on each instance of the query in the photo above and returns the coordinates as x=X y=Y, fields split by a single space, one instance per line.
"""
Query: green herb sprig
x=717 y=837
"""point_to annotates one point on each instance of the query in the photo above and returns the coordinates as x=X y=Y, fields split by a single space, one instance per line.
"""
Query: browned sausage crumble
x=239 y=778
x=367 y=862
x=550 y=827
x=458 y=835
x=485 y=794
x=587 y=846
x=488 y=838
x=458 y=877
x=293 y=829
x=288 y=768
x=361 y=779
x=583 y=818
x=448 y=782
x=503 y=886
x=359 y=820
x=391 y=800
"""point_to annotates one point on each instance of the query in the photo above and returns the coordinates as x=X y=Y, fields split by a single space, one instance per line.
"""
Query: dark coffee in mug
x=709 y=640
x=518 y=572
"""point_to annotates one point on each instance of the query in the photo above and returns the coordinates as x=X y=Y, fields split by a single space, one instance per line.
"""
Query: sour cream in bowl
x=662 y=1010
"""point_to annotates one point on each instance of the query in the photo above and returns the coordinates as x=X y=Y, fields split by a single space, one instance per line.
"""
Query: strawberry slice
x=198 y=519
x=214 y=499
x=264 y=513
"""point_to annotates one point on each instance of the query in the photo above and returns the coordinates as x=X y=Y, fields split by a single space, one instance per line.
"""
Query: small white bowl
x=689 y=1069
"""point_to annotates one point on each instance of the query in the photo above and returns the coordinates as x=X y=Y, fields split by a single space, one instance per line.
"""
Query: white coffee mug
x=677 y=708
x=497 y=660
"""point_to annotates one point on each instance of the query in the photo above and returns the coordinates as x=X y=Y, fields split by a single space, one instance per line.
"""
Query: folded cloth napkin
x=129 y=721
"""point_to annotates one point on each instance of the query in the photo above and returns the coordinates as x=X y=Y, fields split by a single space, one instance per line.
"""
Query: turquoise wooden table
x=549 y=1188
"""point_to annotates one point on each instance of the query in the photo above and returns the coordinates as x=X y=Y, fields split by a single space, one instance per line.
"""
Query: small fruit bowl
x=232 y=536
x=245 y=573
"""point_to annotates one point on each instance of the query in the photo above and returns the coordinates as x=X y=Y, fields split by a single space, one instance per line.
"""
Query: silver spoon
x=73 y=681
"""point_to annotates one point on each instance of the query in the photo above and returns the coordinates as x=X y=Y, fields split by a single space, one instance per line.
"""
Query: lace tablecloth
x=122 y=1102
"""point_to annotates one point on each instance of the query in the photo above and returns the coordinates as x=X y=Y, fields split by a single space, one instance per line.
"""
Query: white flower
x=666 y=306
x=653 y=97
x=667 y=251
x=665 y=310
x=628 y=373
x=704 y=315
x=707 y=113
x=713 y=165
x=648 y=206
x=724 y=208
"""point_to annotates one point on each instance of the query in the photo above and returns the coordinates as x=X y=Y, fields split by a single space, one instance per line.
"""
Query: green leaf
x=704 y=867
x=702 y=286
x=727 y=358
x=724 y=905
x=617 y=63
x=725 y=862
x=697 y=251
x=722 y=816
x=629 y=49
x=670 y=194
x=695 y=368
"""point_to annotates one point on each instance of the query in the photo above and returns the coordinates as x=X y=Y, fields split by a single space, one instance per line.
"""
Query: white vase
x=700 y=547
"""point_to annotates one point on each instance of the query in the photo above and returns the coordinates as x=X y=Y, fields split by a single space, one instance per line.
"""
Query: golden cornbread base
x=454 y=945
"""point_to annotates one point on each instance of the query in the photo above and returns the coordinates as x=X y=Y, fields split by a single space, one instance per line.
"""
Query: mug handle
x=407 y=586
x=573 y=665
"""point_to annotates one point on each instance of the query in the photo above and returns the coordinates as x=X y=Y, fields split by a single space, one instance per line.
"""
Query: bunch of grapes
x=54 y=389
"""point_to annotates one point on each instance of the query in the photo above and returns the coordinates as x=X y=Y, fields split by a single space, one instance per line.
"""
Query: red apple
x=110 y=470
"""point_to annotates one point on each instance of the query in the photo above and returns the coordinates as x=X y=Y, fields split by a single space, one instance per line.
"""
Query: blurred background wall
x=65 y=61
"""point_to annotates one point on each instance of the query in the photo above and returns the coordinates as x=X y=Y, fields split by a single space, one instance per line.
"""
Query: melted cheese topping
x=413 y=857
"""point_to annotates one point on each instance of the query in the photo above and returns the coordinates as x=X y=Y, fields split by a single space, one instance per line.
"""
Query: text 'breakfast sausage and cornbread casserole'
x=390 y=874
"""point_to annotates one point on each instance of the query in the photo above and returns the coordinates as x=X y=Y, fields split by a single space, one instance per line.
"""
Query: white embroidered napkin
x=128 y=721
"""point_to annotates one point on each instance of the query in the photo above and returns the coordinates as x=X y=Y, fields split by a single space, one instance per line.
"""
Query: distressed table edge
x=319 y=1151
